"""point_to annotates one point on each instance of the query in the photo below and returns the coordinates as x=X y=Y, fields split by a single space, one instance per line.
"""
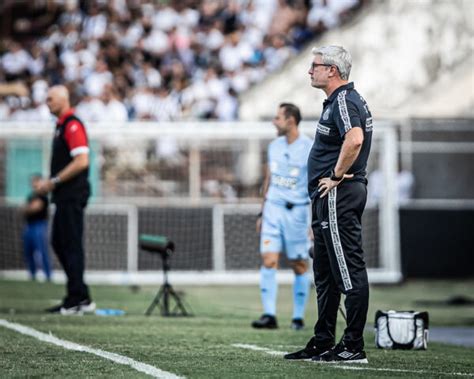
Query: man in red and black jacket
x=70 y=190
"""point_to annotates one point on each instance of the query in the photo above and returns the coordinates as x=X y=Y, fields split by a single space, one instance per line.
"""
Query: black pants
x=338 y=263
x=67 y=241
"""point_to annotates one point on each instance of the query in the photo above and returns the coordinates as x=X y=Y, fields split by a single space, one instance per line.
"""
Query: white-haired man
x=337 y=186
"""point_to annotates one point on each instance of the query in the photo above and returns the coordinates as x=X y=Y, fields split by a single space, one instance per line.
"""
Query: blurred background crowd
x=151 y=60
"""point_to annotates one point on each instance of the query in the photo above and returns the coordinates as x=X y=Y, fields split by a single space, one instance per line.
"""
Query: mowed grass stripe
x=117 y=358
x=345 y=367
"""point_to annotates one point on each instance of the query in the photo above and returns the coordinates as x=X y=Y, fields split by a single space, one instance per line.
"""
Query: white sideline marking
x=123 y=360
x=258 y=348
x=358 y=367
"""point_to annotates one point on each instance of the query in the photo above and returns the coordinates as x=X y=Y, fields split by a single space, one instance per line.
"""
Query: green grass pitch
x=201 y=346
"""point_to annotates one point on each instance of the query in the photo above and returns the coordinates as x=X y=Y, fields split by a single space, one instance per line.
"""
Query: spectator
x=166 y=107
x=143 y=103
x=90 y=109
x=95 y=23
x=36 y=62
x=35 y=235
x=113 y=108
x=148 y=44
x=227 y=106
x=96 y=81
x=15 y=62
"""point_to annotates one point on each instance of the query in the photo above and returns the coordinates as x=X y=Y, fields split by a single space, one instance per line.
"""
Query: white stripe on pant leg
x=121 y=359
x=336 y=241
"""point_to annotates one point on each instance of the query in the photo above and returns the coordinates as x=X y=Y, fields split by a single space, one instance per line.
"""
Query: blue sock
x=300 y=295
x=268 y=290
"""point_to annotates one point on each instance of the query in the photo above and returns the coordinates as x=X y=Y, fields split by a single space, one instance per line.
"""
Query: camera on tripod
x=157 y=244
x=164 y=247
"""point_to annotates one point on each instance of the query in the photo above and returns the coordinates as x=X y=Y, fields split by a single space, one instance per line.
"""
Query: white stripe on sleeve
x=79 y=150
x=341 y=100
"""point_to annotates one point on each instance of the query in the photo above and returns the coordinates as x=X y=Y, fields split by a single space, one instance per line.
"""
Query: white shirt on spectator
x=143 y=102
x=322 y=13
x=69 y=40
x=39 y=91
x=216 y=87
x=232 y=56
x=261 y=14
x=87 y=58
x=227 y=108
x=157 y=42
x=339 y=6
x=166 y=109
x=96 y=81
x=189 y=18
x=70 y=60
x=132 y=35
x=239 y=81
x=214 y=39
x=275 y=58
x=90 y=109
x=114 y=110
x=40 y=113
x=36 y=66
x=152 y=77
x=15 y=62
x=166 y=19
x=94 y=27
x=70 y=17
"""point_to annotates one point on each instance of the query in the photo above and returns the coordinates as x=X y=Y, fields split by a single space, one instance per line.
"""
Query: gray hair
x=337 y=56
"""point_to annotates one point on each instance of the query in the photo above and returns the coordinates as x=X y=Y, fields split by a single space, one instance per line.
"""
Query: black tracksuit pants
x=67 y=241
x=338 y=263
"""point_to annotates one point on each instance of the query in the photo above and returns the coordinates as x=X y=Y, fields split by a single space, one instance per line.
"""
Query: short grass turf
x=201 y=346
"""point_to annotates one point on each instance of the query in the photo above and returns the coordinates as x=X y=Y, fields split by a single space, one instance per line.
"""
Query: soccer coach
x=70 y=189
x=338 y=189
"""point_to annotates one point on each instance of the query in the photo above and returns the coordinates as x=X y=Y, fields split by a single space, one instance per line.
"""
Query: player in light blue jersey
x=284 y=222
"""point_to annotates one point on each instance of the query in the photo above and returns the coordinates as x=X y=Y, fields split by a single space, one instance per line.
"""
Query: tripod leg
x=165 y=309
x=179 y=303
x=155 y=302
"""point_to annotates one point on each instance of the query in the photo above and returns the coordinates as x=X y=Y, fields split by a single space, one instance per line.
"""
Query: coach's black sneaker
x=342 y=354
x=87 y=306
x=55 y=309
x=265 y=322
x=71 y=310
x=297 y=324
x=66 y=303
x=310 y=351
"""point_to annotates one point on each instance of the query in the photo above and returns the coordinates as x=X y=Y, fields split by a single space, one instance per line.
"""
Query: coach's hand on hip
x=326 y=184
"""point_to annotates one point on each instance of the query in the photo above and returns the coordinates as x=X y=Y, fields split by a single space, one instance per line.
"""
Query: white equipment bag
x=401 y=330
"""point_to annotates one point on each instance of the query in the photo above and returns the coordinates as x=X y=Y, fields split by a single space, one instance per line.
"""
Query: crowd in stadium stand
x=156 y=60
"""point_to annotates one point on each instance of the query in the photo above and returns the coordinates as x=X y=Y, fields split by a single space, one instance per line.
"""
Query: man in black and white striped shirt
x=337 y=186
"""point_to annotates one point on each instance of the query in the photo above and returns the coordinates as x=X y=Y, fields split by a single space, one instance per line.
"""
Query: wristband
x=55 y=180
x=260 y=215
x=334 y=178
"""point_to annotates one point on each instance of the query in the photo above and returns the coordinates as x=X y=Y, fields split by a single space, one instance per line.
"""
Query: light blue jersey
x=286 y=218
x=288 y=168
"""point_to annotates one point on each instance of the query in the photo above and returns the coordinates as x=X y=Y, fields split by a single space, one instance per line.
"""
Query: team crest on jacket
x=326 y=114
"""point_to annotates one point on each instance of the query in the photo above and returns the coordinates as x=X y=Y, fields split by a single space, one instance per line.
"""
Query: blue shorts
x=285 y=230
